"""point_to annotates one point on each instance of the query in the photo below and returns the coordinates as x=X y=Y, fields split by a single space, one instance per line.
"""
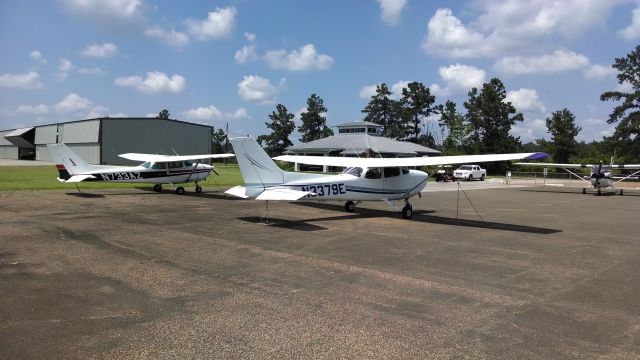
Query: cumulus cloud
x=172 y=38
x=106 y=10
x=529 y=130
x=504 y=27
x=257 y=89
x=219 y=24
x=26 y=81
x=559 y=60
x=155 y=82
x=249 y=36
x=40 y=109
x=366 y=92
x=525 y=100
x=97 y=112
x=37 y=56
x=458 y=78
x=305 y=58
x=391 y=10
x=73 y=102
x=247 y=53
x=212 y=113
x=64 y=68
x=100 y=50
x=632 y=31
x=598 y=72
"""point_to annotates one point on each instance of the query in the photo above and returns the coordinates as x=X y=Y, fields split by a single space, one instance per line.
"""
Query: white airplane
x=601 y=175
x=156 y=169
x=364 y=179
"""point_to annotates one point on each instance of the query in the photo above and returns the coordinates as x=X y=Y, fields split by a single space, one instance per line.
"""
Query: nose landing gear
x=407 y=210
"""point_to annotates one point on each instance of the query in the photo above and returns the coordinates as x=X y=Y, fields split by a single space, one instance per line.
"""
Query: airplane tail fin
x=256 y=166
x=67 y=162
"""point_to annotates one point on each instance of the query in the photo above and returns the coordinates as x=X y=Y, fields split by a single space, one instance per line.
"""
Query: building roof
x=358 y=123
x=359 y=143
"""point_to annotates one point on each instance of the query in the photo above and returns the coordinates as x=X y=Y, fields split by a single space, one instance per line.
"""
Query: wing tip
x=537 y=156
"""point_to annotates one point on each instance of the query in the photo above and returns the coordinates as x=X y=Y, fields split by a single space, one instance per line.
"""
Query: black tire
x=599 y=193
x=198 y=188
x=407 y=212
x=157 y=187
x=584 y=190
x=621 y=192
x=349 y=206
x=180 y=190
x=482 y=177
x=470 y=177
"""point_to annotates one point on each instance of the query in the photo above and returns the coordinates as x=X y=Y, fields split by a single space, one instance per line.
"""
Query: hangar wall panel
x=153 y=136
x=46 y=134
x=8 y=152
x=87 y=152
x=42 y=153
x=81 y=132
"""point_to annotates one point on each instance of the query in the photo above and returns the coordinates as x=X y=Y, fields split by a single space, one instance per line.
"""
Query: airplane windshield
x=188 y=163
x=146 y=165
x=355 y=171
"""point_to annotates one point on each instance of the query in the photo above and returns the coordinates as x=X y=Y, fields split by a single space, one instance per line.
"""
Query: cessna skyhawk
x=364 y=179
x=156 y=169
x=601 y=175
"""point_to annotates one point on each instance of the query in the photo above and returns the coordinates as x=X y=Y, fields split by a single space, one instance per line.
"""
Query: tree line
x=483 y=128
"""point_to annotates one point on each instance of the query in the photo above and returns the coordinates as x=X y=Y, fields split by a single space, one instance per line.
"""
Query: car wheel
x=482 y=177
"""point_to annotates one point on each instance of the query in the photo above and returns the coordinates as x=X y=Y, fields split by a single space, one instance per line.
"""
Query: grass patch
x=45 y=178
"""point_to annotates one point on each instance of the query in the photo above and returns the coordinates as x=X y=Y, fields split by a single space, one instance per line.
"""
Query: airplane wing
x=167 y=158
x=576 y=166
x=411 y=161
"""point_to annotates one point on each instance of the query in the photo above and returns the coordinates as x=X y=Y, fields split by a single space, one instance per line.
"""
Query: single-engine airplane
x=364 y=179
x=601 y=175
x=156 y=169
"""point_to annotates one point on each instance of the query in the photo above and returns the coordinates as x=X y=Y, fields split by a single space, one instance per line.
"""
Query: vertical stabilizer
x=256 y=166
x=67 y=162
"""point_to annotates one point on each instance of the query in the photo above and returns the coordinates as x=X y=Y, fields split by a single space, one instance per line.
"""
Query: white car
x=470 y=172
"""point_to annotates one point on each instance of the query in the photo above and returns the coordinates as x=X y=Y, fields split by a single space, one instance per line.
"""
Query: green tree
x=562 y=127
x=218 y=139
x=627 y=114
x=491 y=118
x=314 y=124
x=164 y=114
x=417 y=105
x=282 y=126
x=385 y=111
x=458 y=131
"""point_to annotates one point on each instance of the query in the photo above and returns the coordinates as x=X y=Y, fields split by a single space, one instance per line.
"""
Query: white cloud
x=73 y=102
x=529 y=130
x=27 y=81
x=249 y=36
x=632 y=31
x=204 y=113
x=559 y=60
x=391 y=10
x=239 y=114
x=172 y=38
x=303 y=59
x=368 y=91
x=459 y=78
x=525 y=100
x=511 y=26
x=396 y=88
x=100 y=50
x=219 y=24
x=247 y=53
x=118 y=115
x=97 y=112
x=64 y=68
x=33 y=110
x=37 y=56
x=155 y=82
x=257 y=89
x=91 y=71
x=598 y=72
x=106 y=10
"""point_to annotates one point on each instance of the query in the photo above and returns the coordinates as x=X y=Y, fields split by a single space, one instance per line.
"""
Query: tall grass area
x=44 y=178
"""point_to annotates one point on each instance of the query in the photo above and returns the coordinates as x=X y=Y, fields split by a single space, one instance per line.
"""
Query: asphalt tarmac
x=535 y=274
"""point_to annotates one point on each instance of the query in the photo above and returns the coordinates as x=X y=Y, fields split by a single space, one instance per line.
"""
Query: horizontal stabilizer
x=79 y=178
x=238 y=191
x=282 y=194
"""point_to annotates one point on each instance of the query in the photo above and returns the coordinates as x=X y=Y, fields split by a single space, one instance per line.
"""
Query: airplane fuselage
x=140 y=174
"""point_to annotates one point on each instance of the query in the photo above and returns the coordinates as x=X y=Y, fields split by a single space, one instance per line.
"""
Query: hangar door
x=82 y=138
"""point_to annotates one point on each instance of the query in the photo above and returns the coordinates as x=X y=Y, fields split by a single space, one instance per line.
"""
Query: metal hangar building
x=100 y=140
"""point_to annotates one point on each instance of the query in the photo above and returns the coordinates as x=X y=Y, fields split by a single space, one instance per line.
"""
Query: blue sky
x=215 y=62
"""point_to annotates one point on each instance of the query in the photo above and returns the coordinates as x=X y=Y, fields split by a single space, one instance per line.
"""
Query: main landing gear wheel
x=599 y=192
x=621 y=193
x=349 y=206
x=407 y=211
x=157 y=188
x=198 y=188
x=180 y=190
x=584 y=190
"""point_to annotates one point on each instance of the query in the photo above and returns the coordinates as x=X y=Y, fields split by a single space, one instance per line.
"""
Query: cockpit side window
x=175 y=164
x=159 y=166
x=391 y=172
x=188 y=163
x=373 y=174
x=405 y=171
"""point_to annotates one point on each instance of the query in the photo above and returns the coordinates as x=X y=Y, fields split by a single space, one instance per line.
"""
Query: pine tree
x=562 y=127
x=458 y=131
x=314 y=124
x=417 y=105
x=383 y=110
x=282 y=126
